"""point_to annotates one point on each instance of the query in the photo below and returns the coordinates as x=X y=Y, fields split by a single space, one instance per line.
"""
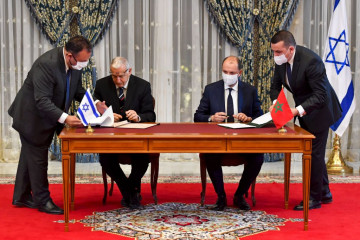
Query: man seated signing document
x=241 y=102
x=131 y=99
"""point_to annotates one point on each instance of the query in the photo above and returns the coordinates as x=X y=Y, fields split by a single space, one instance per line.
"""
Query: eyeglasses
x=124 y=74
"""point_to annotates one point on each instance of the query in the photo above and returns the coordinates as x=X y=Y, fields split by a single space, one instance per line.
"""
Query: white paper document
x=236 y=125
x=263 y=119
x=106 y=120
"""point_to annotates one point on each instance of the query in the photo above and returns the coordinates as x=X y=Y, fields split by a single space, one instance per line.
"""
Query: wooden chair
x=125 y=159
x=230 y=161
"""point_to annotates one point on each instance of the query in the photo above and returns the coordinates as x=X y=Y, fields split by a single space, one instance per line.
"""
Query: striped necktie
x=121 y=96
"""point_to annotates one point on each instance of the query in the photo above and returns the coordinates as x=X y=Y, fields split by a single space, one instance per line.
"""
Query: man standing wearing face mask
x=302 y=72
x=232 y=100
x=39 y=109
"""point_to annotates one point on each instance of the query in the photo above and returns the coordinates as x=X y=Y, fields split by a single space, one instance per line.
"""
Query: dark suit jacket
x=311 y=89
x=138 y=97
x=213 y=100
x=41 y=100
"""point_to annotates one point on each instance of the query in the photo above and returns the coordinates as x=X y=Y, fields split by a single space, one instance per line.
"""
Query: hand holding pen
x=219 y=117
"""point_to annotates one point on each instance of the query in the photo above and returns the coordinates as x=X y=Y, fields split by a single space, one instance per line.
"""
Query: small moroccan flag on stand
x=281 y=112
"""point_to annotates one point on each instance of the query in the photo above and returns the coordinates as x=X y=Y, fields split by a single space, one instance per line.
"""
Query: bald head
x=232 y=60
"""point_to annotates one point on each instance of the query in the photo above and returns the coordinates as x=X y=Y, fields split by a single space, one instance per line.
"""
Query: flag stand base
x=336 y=163
x=282 y=130
x=89 y=129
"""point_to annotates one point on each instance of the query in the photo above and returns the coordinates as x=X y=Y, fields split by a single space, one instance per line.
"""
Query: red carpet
x=339 y=220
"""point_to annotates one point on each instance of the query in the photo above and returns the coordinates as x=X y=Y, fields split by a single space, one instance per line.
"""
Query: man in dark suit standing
x=242 y=105
x=131 y=99
x=40 y=108
x=302 y=72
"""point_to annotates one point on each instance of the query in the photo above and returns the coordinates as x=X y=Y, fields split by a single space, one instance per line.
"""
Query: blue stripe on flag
x=336 y=3
x=345 y=105
x=82 y=116
x=91 y=104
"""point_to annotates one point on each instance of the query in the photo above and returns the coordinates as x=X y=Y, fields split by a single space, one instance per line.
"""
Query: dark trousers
x=139 y=165
x=31 y=176
x=251 y=170
x=319 y=182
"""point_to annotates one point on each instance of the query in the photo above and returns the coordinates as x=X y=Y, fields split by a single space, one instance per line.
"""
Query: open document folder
x=126 y=124
x=256 y=123
x=89 y=115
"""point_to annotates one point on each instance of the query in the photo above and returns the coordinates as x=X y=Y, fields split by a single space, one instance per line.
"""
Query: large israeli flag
x=87 y=111
x=337 y=64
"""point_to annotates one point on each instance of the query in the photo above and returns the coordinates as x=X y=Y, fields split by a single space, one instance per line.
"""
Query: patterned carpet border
x=96 y=179
x=182 y=221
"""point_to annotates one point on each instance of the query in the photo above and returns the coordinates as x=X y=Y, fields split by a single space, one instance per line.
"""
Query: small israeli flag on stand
x=337 y=64
x=87 y=110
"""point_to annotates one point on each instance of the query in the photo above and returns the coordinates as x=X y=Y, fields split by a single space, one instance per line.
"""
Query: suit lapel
x=130 y=91
x=295 y=68
x=240 y=98
x=221 y=95
x=113 y=95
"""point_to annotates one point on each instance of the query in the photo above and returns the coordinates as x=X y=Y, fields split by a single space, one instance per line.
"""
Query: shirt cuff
x=63 y=118
x=301 y=110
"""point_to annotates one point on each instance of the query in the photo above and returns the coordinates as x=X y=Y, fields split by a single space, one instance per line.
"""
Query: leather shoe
x=134 y=202
x=240 y=202
x=27 y=203
x=124 y=202
x=220 y=204
x=51 y=208
x=327 y=198
x=312 y=205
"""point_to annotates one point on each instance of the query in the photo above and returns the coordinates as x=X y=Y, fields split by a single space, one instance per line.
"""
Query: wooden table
x=189 y=138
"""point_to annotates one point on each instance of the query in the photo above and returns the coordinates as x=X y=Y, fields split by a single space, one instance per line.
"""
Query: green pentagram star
x=278 y=107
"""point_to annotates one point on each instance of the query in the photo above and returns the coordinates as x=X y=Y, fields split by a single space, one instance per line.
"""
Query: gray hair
x=120 y=61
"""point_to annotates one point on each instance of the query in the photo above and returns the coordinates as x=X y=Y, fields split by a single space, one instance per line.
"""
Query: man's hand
x=294 y=111
x=101 y=107
x=219 y=117
x=73 y=121
x=242 y=117
x=132 y=116
x=271 y=107
x=117 y=117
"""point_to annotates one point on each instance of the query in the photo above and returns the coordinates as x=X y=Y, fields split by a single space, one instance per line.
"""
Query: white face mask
x=229 y=79
x=279 y=60
x=80 y=65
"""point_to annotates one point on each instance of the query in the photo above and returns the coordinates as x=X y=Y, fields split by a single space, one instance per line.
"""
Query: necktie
x=230 y=107
x=67 y=104
x=121 y=97
x=288 y=72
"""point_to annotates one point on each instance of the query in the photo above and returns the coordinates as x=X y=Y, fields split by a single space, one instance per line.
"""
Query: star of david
x=278 y=107
x=85 y=107
x=341 y=43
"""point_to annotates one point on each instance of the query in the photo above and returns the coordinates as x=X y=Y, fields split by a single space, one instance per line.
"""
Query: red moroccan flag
x=281 y=112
